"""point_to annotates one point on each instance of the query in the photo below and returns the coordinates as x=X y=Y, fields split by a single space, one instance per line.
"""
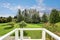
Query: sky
x=10 y=7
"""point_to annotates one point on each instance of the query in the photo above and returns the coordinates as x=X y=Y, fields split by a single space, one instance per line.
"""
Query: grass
x=58 y=26
x=32 y=34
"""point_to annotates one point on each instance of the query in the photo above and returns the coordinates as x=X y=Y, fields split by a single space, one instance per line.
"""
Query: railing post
x=0 y=39
x=21 y=34
x=16 y=35
x=58 y=38
x=43 y=35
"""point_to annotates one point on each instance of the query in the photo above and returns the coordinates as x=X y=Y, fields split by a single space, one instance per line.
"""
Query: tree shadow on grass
x=8 y=27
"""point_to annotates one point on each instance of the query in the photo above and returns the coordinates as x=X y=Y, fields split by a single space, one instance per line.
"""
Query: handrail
x=52 y=34
x=30 y=28
x=22 y=29
x=4 y=36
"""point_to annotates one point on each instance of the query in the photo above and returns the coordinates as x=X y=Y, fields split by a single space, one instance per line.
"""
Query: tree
x=59 y=16
x=54 y=16
x=36 y=18
x=3 y=20
x=15 y=17
x=9 y=19
x=44 y=18
x=19 y=16
x=26 y=16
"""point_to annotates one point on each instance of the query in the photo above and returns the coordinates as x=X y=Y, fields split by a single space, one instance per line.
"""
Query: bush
x=8 y=27
x=22 y=24
x=11 y=24
x=9 y=19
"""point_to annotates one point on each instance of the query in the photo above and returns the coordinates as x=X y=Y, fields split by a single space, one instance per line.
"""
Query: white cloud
x=6 y=15
x=40 y=6
x=11 y=6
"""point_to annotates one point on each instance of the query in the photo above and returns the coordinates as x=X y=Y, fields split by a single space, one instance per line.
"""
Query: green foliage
x=10 y=25
x=59 y=16
x=22 y=24
x=26 y=16
x=25 y=33
x=36 y=18
x=2 y=20
x=5 y=19
x=15 y=17
x=54 y=16
x=19 y=16
x=26 y=13
x=44 y=18
x=9 y=19
x=29 y=16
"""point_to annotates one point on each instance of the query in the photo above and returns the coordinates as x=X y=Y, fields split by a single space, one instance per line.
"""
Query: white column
x=43 y=35
x=21 y=34
x=16 y=35
x=58 y=38
x=1 y=39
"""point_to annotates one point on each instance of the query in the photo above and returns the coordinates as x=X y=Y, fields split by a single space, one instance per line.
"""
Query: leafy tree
x=54 y=16
x=19 y=16
x=3 y=20
x=59 y=16
x=26 y=13
x=44 y=18
x=26 y=16
x=9 y=19
x=15 y=17
x=36 y=18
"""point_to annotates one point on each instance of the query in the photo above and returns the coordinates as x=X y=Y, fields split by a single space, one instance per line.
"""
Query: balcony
x=21 y=37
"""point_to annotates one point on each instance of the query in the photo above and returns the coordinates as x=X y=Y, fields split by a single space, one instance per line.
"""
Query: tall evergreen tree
x=19 y=16
x=9 y=19
x=36 y=18
x=44 y=18
x=26 y=16
x=54 y=16
x=59 y=16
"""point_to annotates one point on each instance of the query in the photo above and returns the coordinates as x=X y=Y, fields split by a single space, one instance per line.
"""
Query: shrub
x=22 y=24
x=12 y=24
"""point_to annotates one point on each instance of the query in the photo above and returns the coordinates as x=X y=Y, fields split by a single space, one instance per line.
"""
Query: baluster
x=43 y=35
x=16 y=35
x=21 y=34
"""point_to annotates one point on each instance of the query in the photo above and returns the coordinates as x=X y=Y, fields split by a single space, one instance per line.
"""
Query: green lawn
x=58 y=26
x=32 y=34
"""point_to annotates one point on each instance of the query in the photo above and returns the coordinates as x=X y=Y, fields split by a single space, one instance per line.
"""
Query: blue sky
x=10 y=7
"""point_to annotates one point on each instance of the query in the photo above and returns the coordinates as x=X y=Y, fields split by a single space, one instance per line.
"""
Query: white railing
x=44 y=31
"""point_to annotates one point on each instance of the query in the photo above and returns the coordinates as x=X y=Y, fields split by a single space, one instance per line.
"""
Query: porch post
x=21 y=34
x=16 y=34
x=43 y=35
